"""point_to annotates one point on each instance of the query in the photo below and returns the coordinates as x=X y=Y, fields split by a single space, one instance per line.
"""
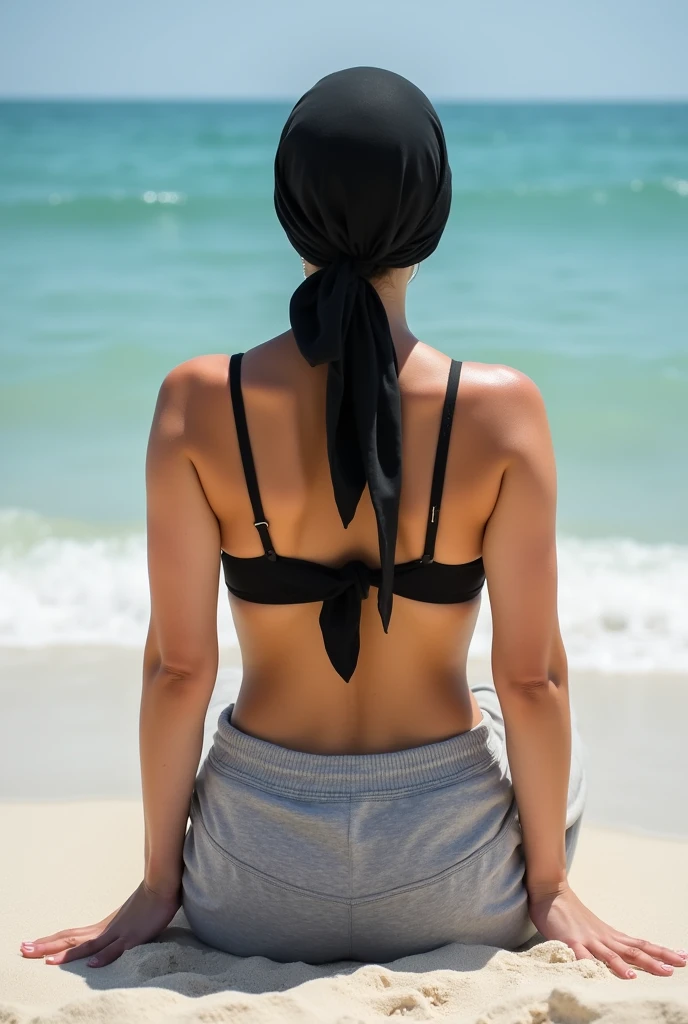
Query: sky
x=484 y=49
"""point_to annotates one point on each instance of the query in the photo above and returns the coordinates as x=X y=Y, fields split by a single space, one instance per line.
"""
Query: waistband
x=299 y=773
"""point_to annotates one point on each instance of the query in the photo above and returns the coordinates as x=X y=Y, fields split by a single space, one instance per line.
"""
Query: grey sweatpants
x=316 y=857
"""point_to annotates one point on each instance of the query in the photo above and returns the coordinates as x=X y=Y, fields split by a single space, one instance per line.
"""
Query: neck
x=392 y=291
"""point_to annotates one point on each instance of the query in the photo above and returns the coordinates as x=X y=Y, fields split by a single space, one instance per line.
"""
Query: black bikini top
x=273 y=579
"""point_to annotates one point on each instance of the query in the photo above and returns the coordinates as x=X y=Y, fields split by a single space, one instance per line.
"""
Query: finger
x=111 y=952
x=613 y=960
x=55 y=944
x=661 y=953
x=581 y=951
x=79 y=951
x=38 y=950
x=56 y=941
x=38 y=947
x=637 y=956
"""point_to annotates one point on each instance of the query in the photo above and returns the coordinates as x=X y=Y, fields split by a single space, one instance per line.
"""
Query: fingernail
x=93 y=962
x=631 y=974
x=50 y=959
x=682 y=952
x=666 y=967
x=28 y=946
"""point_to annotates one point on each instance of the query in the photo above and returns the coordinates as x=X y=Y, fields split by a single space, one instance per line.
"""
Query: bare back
x=410 y=686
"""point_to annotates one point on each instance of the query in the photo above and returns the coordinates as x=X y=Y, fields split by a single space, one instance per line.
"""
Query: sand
x=71 y=863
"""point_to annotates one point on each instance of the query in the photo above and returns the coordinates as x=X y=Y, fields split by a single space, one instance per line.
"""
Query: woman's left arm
x=179 y=670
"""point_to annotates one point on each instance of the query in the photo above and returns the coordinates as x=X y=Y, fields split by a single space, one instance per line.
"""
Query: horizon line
x=552 y=100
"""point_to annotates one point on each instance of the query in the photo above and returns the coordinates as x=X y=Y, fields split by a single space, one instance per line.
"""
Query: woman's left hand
x=561 y=915
x=144 y=915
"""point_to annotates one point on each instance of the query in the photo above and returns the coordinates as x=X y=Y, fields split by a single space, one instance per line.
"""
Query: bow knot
x=340 y=616
x=358 y=574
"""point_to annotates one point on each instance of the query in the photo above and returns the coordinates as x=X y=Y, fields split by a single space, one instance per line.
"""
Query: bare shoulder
x=209 y=374
x=194 y=398
x=504 y=401
x=506 y=410
x=490 y=384
x=200 y=374
x=188 y=394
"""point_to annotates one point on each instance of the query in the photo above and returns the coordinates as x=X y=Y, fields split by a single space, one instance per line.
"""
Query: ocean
x=136 y=235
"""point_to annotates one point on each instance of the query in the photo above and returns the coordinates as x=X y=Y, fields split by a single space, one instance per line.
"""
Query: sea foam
x=622 y=604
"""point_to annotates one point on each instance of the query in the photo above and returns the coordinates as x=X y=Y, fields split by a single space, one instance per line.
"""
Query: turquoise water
x=137 y=235
x=566 y=256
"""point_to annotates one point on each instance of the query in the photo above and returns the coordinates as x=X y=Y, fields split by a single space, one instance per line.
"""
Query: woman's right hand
x=561 y=915
x=141 y=919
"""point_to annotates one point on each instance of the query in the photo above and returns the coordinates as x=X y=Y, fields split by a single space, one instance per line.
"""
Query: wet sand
x=69 y=730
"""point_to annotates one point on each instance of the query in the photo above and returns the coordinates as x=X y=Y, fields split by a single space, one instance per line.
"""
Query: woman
x=378 y=818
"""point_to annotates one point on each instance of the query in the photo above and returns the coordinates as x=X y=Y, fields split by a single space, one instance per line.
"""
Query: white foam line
x=622 y=604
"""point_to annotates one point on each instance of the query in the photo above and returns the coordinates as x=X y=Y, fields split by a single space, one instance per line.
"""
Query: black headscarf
x=362 y=183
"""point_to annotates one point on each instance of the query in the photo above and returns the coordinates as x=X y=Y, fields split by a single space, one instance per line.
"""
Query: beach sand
x=70 y=861
x=74 y=862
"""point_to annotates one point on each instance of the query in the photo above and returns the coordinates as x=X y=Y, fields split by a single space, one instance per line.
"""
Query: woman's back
x=409 y=687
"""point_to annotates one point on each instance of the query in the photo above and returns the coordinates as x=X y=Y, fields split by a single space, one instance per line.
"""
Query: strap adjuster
x=264 y=533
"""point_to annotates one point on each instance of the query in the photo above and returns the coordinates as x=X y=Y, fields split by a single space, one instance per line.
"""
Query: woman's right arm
x=530 y=675
x=179 y=670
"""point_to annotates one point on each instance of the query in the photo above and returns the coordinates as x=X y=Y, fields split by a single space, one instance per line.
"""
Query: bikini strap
x=439 y=471
x=247 y=462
